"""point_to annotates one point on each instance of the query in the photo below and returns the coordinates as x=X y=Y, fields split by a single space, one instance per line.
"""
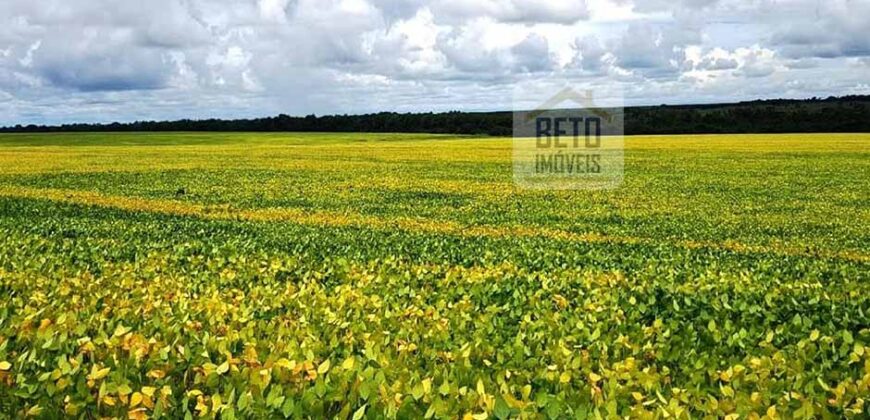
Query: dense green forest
x=833 y=114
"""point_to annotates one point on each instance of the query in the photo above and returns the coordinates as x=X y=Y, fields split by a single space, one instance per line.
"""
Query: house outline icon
x=567 y=94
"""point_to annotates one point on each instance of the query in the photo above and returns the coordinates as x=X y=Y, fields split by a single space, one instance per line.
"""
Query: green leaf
x=444 y=388
x=360 y=412
x=288 y=407
x=501 y=409
x=244 y=401
x=847 y=337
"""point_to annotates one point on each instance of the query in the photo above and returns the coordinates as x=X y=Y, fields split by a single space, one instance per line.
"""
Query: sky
x=65 y=61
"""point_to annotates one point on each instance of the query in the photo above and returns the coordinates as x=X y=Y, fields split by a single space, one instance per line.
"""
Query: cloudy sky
x=107 y=60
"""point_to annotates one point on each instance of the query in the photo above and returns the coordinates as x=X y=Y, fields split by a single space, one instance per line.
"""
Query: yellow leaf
x=480 y=389
x=324 y=367
x=285 y=363
x=45 y=323
x=637 y=396
x=427 y=386
x=135 y=399
x=513 y=402
x=223 y=368
x=34 y=411
x=814 y=335
x=4 y=365
x=348 y=363
x=594 y=377
x=137 y=414
x=200 y=405
x=148 y=390
x=120 y=330
x=97 y=374
x=565 y=377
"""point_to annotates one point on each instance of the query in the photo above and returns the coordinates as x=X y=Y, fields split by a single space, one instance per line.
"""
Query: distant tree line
x=833 y=114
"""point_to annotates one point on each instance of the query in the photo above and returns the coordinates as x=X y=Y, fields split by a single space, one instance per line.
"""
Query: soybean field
x=304 y=275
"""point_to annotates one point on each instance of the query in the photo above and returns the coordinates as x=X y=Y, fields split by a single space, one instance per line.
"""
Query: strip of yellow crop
x=345 y=156
x=338 y=219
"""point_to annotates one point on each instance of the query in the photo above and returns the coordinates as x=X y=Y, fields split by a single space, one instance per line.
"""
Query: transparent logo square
x=571 y=140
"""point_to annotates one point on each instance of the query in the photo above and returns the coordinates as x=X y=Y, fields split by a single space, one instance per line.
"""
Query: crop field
x=376 y=275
